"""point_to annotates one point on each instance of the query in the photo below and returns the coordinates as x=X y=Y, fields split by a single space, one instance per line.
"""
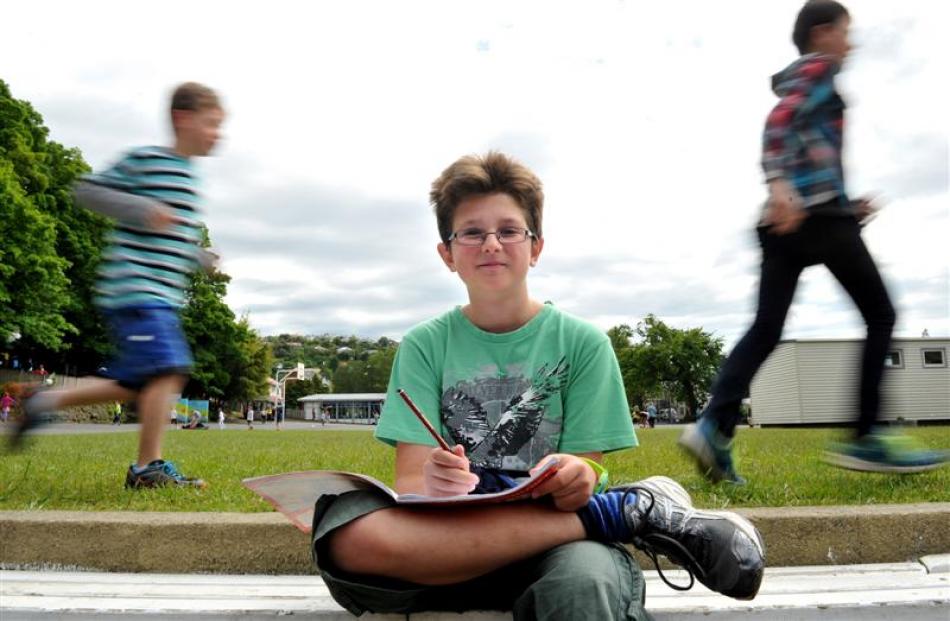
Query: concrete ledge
x=882 y=592
x=265 y=543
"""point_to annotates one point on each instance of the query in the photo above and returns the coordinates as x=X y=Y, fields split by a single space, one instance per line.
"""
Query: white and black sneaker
x=721 y=549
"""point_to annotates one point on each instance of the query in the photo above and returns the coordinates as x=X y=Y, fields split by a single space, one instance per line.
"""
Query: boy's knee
x=358 y=547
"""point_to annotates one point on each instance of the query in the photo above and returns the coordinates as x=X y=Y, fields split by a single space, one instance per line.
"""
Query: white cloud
x=643 y=120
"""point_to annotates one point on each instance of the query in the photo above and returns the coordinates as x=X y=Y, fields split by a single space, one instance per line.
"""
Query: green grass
x=86 y=472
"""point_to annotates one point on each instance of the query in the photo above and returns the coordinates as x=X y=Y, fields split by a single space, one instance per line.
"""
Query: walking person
x=809 y=220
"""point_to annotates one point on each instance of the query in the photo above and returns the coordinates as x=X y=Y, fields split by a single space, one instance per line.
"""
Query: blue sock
x=603 y=517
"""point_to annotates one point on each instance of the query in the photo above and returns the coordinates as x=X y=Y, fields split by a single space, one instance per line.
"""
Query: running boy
x=809 y=220
x=511 y=381
x=152 y=194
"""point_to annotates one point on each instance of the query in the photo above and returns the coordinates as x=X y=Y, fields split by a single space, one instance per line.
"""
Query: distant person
x=250 y=418
x=809 y=220
x=278 y=417
x=6 y=402
x=117 y=413
x=194 y=421
x=220 y=418
x=152 y=194
x=651 y=415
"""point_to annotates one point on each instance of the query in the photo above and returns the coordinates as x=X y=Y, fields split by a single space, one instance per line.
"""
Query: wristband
x=602 y=475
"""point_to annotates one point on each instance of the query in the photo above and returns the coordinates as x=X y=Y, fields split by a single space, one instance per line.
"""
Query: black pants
x=836 y=242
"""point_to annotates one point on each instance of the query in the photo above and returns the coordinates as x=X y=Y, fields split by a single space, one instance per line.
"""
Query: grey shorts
x=580 y=580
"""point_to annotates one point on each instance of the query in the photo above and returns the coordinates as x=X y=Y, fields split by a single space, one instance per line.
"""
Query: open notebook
x=295 y=493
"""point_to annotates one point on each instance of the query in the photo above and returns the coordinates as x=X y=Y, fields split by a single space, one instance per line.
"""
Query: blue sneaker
x=159 y=473
x=884 y=452
x=711 y=450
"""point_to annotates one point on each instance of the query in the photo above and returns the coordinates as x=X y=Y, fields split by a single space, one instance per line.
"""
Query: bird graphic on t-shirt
x=486 y=445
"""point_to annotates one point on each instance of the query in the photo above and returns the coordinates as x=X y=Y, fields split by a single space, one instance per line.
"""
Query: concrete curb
x=265 y=543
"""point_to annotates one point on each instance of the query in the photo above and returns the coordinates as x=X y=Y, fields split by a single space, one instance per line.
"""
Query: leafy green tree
x=232 y=363
x=655 y=357
x=684 y=361
x=301 y=388
x=350 y=377
x=379 y=366
x=34 y=287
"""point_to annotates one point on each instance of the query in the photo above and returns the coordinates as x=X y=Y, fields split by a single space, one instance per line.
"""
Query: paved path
x=894 y=591
x=79 y=428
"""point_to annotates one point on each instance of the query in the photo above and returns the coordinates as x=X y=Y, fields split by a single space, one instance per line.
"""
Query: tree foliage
x=656 y=358
x=350 y=363
x=49 y=248
x=232 y=363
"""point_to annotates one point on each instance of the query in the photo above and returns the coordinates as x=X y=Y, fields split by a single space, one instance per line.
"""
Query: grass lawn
x=86 y=471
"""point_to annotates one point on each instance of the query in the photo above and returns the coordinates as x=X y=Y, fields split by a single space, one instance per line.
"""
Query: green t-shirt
x=551 y=386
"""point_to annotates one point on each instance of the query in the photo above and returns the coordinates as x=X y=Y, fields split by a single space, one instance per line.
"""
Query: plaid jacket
x=803 y=134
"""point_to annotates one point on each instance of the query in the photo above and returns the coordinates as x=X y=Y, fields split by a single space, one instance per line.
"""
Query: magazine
x=295 y=493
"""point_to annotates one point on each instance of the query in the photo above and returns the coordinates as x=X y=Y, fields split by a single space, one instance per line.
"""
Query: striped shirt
x=142 y=267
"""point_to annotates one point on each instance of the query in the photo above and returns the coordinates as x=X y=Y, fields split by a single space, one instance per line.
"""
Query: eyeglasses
x=505 y=235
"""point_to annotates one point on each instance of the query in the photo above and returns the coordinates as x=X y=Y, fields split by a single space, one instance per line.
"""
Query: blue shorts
x=149 y=343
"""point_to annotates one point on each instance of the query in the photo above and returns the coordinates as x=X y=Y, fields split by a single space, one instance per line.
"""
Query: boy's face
x=833 y=39
x=491 y=267
x=198 y=130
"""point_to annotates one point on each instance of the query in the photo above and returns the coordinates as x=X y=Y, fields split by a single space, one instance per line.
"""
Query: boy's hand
x=160 y=218
x=865 y=209
x=573 y=484
x=447 y=474
x=785 y=212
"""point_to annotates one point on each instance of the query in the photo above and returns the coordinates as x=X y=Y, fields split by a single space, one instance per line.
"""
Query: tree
x=350 y=377
x=684 y=362
x=301 y=388
x=231 y=361
x=620 y=337
x=34 y=288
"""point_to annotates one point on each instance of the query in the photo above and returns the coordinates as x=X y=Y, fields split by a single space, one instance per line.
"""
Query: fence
x=54 y=380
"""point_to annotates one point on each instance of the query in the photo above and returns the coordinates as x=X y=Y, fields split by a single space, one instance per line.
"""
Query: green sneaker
x=884 y=452
x=711 y=451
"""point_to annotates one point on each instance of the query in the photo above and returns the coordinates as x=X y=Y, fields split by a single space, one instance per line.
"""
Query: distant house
x=363 y=408
x=816 y=381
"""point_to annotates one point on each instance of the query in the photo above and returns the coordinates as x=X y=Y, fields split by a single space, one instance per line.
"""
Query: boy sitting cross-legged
x=511 y=381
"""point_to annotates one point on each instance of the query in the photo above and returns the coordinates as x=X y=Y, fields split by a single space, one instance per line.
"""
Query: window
x=894 y=360
x=934 y=358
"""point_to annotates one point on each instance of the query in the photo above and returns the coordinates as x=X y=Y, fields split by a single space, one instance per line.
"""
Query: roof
x=937 y=341
x=353 y=396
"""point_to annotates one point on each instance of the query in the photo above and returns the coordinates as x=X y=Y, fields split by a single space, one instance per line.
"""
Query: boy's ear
x=180 y=118
x=537 y=246
x=445 y=253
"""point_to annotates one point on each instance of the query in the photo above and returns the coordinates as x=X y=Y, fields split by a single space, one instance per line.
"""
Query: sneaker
x=721 y=549
x=884 y=452
x=37 y=411
x=711 y=450
x=160 y=473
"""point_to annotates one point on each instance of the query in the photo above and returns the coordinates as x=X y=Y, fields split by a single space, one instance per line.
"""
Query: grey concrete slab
x=881 y=591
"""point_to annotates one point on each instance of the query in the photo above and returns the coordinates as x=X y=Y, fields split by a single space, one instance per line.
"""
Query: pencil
x=424 y=420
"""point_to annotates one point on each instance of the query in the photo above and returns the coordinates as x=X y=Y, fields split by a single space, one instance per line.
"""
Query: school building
x=816 y=381
x=359 y=408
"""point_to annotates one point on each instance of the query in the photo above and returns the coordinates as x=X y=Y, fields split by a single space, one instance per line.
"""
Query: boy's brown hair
x=193 y=97
x=815 y=13
x=478 y=175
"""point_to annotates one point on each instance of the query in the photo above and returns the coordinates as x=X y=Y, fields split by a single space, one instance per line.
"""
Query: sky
x=642 y=119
